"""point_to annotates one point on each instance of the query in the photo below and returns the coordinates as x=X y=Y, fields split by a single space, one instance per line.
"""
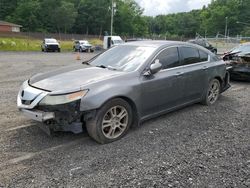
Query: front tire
x=212 y=93
x=112 y=121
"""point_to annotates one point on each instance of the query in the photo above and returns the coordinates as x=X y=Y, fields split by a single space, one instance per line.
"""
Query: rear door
x=194 y=70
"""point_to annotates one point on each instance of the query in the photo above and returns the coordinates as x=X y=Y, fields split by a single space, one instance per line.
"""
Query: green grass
x=25 y=44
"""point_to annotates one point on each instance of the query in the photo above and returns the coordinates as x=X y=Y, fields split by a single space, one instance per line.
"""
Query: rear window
x=189 y=55
x=203 y=56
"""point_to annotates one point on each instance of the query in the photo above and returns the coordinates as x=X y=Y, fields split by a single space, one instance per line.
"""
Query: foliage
x=30 y=44
x=93 y=17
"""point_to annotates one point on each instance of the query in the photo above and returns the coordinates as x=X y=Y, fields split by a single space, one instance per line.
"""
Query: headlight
x=62 y=99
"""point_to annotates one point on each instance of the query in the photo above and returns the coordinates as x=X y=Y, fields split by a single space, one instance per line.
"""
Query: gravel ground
x=197 y=146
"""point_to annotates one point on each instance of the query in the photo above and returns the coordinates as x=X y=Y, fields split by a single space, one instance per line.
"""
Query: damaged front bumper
x=38 y=115
x=66 y=117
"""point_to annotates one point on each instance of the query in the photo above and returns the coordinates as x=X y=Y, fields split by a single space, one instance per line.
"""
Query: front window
x=84 y=42
x=117 y=41
x=169 y=58
x=124 y=58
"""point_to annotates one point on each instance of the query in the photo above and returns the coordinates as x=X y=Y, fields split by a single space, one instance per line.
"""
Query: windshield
x=117 y=41
x=51 y=40
x=124 y=58
x=84 y=42
x=241 y=49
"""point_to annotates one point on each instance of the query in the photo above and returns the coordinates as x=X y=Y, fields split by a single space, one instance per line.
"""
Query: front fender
x=99 y=95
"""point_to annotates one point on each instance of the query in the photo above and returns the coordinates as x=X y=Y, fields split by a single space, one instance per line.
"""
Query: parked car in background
x=238 y=59
x=50 y=44
x=124 y=86
x=83 y=46
x=205 y=44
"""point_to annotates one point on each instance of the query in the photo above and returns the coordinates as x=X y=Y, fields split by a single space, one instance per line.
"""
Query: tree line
x=93 y=17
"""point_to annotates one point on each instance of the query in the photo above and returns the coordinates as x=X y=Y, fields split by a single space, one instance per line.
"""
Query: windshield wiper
x=85 y=63
x=101 y=66
x=108 y=67
x=90 y=60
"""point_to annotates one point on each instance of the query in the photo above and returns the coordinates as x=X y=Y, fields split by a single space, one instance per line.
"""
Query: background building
x=9 y=27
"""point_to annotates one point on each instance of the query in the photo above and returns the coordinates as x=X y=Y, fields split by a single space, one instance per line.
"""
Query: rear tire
x=112 y=121
x=213 y=92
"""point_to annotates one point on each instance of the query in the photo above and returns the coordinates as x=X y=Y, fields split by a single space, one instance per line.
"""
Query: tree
x=26 y=14
x=7 y=7
x=64 y=16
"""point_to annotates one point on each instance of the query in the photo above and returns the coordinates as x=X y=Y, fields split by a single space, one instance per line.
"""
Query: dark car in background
x=50 y=44
x=204 y=43
x=122 y=87
x=82 y=46
x=238 y=60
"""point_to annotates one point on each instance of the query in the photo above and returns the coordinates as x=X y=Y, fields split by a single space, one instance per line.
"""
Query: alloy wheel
x=213 y=92
x=115 y=122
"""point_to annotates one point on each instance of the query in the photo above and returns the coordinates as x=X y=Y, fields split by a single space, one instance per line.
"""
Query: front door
x=163 y=90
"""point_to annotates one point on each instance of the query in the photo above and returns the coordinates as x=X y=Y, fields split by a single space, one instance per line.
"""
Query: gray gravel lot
x=197 y=146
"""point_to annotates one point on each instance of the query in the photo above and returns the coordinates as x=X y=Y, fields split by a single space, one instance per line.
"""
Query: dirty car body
x=147 y=78
x=238 y=61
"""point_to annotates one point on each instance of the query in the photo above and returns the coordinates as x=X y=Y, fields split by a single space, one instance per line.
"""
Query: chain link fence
x=225 y=44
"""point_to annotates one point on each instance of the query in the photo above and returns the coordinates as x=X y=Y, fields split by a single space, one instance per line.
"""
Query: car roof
x=157 y=43
x=160 y=44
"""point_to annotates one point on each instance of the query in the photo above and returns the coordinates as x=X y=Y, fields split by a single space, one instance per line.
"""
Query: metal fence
x=40 y=36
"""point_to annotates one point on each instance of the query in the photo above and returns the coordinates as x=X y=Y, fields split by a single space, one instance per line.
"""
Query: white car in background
x=83 y=46
x=50 y=44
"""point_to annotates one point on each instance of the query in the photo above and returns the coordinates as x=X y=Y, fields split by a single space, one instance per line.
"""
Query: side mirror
x=154 y=68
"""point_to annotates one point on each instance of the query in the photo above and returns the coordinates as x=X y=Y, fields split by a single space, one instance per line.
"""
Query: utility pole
x=113 y=6
x=226 y=28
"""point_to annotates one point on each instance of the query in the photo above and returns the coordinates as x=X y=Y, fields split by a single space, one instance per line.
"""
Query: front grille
x=53 y=47
x=27 y=102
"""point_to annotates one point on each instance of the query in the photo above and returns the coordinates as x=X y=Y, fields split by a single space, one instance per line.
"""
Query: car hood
x=71 y=78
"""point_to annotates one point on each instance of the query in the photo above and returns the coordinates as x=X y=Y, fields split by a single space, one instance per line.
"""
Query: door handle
x=204 y=68
x=179 y=74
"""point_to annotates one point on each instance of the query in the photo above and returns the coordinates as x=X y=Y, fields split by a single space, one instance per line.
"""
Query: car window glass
x=169 y=58
x=203 y=56
x=189 y=55
x=124 y=58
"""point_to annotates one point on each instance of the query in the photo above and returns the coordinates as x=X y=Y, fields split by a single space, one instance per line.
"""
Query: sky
x=156 y=7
